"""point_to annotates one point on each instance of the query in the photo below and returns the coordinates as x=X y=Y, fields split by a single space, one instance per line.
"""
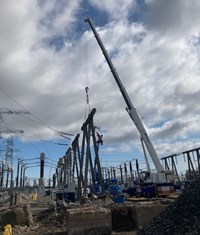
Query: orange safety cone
x=8 y=230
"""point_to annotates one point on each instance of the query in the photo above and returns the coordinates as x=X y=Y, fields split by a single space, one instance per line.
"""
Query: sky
x=48 y=55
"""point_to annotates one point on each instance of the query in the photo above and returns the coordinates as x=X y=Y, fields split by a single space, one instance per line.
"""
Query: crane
x=130 y=107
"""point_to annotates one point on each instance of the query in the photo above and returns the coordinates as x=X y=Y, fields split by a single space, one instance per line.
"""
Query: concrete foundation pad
x=120 y=217
x=141 y=214
x=88 y=221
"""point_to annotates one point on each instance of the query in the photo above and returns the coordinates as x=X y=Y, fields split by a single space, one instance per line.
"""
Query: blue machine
x=64 y=196
x=144 y=190
x=117 y=192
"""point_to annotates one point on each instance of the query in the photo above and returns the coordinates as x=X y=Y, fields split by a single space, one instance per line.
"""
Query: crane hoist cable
x=87 y=107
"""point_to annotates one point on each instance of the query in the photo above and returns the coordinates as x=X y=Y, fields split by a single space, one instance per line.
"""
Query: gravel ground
x=182 y=217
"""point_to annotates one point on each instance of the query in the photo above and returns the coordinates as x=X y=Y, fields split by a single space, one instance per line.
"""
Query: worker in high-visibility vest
x=8 y=230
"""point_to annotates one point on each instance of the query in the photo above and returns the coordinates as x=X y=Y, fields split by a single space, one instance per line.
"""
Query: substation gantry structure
x=78 y=162
x=191 y=157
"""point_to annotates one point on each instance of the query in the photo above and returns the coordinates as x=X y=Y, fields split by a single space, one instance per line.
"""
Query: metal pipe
x=7 y=175
x=18 y=166
x=11 y=178
x=42 y=158
x=21 y=174
x=2 y=174
x=23 y=181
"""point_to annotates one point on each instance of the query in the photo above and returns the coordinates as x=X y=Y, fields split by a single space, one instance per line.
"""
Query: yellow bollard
x=8 y=230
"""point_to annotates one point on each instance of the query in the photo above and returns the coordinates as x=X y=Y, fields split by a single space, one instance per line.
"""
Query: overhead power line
x=63 y=134
x=48 y=141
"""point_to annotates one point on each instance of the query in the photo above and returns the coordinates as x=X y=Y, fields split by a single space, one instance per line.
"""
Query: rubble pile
x=50 y=218
x=179 y=218
x=16 y=216
x=44 y=222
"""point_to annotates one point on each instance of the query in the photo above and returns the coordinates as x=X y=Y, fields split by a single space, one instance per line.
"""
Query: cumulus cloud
x=175 y=18
x=46 y=64
x=115 y=9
